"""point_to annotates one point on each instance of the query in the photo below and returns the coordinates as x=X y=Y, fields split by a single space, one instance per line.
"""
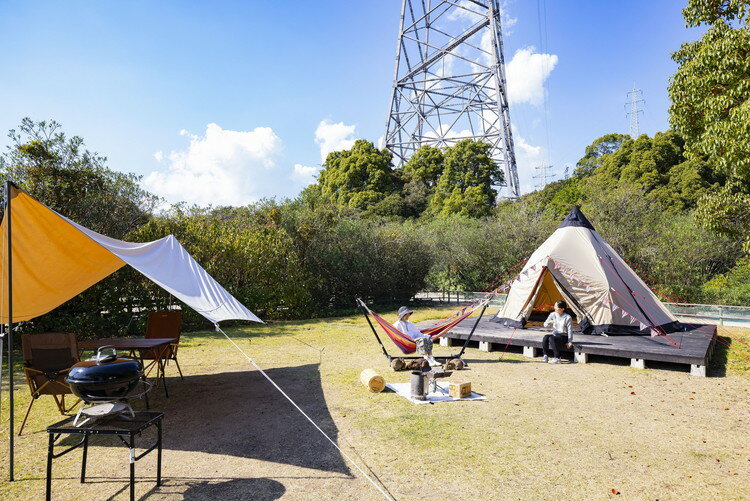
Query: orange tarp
x=52 y=260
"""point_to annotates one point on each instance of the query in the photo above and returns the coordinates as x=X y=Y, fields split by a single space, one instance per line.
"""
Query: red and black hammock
x=406 y=344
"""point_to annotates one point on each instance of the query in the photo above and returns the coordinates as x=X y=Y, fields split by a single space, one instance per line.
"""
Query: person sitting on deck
x=561 y=324
x=423 y=341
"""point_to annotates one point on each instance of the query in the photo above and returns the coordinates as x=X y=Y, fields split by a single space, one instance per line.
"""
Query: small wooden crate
x=460 y=390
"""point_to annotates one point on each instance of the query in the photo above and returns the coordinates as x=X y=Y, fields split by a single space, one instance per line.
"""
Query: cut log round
x=398 y=364
x=372 y=380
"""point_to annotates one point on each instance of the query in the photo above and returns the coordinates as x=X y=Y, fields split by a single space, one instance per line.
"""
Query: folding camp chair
x=47 y=359
x=165 y=324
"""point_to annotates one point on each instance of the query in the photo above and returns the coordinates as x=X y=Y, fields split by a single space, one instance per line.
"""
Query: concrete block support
x=446 y=341
x=485 y=346
x=530 y=351
x=637 y=363
x=580 y=357
x=698 y=370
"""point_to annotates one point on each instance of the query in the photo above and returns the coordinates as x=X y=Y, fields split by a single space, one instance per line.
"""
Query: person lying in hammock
x=423 y=341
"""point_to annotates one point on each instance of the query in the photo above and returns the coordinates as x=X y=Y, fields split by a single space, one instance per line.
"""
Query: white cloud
x=468 y=11
x=527 y=158
x=333 y=137
x=526 y=74
x=304 y=174
x=222 y=167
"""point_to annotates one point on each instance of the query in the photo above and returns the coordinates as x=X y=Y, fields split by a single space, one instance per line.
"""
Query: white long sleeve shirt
x=562 y=324
x=409 y=329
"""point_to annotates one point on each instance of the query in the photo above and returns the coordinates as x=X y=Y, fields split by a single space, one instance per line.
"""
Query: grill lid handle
x=104 y=359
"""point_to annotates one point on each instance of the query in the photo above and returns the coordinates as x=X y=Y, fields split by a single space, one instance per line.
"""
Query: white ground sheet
x=441 y=395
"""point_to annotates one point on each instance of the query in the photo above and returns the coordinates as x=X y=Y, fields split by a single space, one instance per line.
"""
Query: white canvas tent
x=576 y=265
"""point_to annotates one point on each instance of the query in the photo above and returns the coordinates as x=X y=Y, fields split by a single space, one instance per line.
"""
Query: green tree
x=466 y=184
x=732 y=287
x=61 y=173
x=605 y=145
x=710 y=95
x=420 y=176
x=357 y=178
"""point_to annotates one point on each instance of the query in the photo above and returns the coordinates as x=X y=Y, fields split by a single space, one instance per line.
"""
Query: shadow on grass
x=717 y=366
x=240 y=414
x=259 y=489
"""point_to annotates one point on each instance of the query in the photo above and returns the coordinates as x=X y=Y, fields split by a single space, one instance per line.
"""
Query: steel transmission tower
x=449 y=81
x=544 y=175
x=635 y=97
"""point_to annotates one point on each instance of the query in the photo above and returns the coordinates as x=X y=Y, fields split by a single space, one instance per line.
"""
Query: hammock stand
x=366 y=312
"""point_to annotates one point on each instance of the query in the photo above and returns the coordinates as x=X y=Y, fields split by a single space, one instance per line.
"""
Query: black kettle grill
x=104 y=377
x=104 y=383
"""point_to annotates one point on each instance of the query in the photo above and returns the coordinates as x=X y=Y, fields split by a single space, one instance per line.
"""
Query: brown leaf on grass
x=615 y=492
x=632 y=393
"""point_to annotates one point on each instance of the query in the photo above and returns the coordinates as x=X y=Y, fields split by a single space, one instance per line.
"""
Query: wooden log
x=372 y=380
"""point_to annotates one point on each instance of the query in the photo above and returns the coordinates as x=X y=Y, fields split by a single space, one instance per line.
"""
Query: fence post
x=721 y=315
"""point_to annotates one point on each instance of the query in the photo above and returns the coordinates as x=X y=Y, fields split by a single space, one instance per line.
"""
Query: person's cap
x=403 y=311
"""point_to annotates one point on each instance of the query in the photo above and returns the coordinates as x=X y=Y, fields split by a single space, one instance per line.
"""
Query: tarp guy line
x=385 y=494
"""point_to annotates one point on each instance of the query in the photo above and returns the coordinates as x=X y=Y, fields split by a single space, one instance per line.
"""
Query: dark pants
x=550 y=341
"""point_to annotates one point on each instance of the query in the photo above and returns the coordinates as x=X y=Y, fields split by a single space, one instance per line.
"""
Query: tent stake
x=11 y=409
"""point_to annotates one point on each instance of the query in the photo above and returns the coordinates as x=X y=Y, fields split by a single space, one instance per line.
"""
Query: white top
x=561 y=324
x=409 y=329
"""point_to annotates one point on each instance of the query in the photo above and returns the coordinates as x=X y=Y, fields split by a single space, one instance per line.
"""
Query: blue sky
x=227 y=102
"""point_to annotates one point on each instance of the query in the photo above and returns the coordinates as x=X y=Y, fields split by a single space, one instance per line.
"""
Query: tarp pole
x=466 y=343
x=11 y=410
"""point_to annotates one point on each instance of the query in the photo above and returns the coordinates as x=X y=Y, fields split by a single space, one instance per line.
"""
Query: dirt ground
x=600 y=430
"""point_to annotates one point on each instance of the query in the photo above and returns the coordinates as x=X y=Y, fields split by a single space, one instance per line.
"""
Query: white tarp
x=168 y=264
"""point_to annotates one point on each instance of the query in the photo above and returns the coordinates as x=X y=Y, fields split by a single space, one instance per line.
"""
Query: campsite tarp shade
x=54 y=259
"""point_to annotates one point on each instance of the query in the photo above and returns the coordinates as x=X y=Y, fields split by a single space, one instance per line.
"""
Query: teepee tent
x=53 y=259
x=576 y=265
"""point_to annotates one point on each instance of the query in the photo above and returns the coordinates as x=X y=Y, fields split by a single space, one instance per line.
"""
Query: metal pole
x=363 y=309
x=11 y=410
x=466 y=343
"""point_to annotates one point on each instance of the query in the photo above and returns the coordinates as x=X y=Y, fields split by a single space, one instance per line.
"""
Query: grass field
x=572 y=431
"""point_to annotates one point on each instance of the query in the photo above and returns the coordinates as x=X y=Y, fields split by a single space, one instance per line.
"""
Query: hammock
x=408 y=345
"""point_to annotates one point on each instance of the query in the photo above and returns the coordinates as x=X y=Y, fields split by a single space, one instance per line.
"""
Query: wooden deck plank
x=692 y=346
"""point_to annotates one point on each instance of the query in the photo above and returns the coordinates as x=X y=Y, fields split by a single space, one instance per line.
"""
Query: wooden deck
x=693 y=348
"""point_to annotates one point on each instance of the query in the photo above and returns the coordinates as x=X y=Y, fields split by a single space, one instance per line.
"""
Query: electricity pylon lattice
x=543 y=175
x=635 y=97
x=449 y=81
